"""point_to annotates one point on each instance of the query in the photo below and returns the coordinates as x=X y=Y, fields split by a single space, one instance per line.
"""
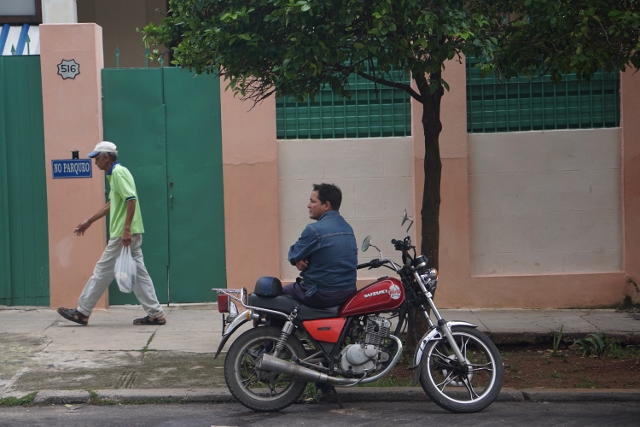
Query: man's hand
x=126 y=237
x=302 y=265
x=81 y=228
x=126 y=233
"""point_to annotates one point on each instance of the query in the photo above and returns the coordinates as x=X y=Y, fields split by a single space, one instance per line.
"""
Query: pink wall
x=630 y=106
x=73 y=121
x=457 y=287
x=72 y=110
x=250 y=169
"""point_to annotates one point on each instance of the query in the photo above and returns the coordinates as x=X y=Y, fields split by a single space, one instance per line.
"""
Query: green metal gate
x=166 y=124
x=24 y=233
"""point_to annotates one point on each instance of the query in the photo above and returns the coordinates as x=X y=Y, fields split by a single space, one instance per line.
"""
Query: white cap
x=104 y=147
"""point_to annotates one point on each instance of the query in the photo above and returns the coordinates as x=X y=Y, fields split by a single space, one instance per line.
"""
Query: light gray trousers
x=103 y=275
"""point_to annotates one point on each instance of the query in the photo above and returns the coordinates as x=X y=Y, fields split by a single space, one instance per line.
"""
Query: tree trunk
x=432 y=127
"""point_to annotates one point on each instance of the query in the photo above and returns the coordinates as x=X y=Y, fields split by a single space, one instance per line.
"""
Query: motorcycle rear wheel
x=462 y=388
x=260 y=390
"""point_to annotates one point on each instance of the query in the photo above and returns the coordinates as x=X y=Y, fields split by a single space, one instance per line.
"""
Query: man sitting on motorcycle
x=326 y=254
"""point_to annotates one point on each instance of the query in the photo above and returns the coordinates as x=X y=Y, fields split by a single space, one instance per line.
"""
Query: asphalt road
x=352 y=415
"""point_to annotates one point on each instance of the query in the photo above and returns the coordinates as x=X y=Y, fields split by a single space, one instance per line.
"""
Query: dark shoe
x=150 y=321
x=73 y=315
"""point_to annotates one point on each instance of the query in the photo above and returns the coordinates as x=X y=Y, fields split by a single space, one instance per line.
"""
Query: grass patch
x=602 y=346
x=94 y=399
x=18 y=401
x=557 y=375
x=587 y=383
x=146 y=347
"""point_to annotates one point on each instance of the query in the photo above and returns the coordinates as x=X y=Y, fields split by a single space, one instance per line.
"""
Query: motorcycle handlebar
x=402 y=245
x=374 y=263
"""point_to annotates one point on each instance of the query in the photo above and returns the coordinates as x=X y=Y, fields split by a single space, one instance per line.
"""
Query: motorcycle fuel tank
x=384 y=294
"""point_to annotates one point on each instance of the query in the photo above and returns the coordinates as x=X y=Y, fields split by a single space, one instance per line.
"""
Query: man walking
x=125 y=229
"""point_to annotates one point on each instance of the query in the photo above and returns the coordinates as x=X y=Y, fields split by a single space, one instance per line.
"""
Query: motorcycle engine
x=367 y=356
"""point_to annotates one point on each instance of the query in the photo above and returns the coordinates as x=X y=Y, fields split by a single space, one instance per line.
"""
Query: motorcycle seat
x=286 y=304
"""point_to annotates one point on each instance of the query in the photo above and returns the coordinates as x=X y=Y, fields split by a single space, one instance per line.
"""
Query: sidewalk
x=60 y=360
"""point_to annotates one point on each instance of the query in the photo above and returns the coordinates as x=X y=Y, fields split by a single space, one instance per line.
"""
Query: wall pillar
x=72 y=111
x=250 y=171
x=630 y=109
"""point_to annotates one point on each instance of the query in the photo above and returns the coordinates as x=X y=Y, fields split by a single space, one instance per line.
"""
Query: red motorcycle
x=267 y=367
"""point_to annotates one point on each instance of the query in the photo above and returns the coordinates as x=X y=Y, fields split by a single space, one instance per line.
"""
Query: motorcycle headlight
x=430 y=275
x=420 y=262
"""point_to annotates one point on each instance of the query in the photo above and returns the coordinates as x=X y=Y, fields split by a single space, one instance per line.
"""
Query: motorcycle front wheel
x=470 y=386
x=256 y=389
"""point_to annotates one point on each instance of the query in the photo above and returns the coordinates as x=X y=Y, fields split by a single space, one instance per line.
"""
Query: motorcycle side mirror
x=406 y=218
x=366 y=243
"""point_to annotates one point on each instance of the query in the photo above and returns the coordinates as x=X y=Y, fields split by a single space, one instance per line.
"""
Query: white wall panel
x=376 y=179
x=545 y=202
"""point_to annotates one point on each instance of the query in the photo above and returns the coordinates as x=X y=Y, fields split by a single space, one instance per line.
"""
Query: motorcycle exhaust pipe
x=270 y=363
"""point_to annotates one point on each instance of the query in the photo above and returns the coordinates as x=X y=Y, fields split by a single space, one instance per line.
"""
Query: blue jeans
x=319 y=299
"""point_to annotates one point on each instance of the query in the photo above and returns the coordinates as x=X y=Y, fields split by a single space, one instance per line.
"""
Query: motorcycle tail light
x=223 y=303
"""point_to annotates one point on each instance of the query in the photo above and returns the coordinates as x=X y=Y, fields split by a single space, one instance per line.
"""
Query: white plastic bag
x=125 y=270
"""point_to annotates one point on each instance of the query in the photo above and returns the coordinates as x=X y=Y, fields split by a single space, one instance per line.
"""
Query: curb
x=580 y=395
x=362 y=394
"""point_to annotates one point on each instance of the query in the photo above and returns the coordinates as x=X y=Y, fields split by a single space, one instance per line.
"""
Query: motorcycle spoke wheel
x=258 y=389
x=469 y=386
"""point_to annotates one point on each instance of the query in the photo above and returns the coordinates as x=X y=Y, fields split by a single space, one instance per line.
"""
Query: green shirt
x=123 y=189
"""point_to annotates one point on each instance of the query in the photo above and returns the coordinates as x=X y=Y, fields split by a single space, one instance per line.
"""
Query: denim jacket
x=329 y=246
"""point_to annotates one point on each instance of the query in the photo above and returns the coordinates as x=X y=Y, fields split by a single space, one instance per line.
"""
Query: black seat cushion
x=286 y=304
x=268 y=286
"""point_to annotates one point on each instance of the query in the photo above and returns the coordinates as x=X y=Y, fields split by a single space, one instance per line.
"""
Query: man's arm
x=126 y=233
x=82 y=227
x=300 y=251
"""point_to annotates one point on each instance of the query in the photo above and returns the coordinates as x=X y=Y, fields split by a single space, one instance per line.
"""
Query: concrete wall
x=630 y=111
x=545 y=202
x=262 y=168
x=120 y=20
x=72 y=110
x=250 y=171
x=59 y=12
x=267 y=185
x=376 y=179
x=459 y=286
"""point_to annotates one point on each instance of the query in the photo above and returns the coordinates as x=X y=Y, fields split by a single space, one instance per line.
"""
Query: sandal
x=147 y=320
x=73 y=315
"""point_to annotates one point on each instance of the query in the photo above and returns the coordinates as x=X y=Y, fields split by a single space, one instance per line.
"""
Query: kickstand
x=327 y=390
x=337 y=398
x=335 y=393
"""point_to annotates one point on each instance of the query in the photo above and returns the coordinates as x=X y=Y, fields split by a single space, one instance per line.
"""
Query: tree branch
x=405 y=87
